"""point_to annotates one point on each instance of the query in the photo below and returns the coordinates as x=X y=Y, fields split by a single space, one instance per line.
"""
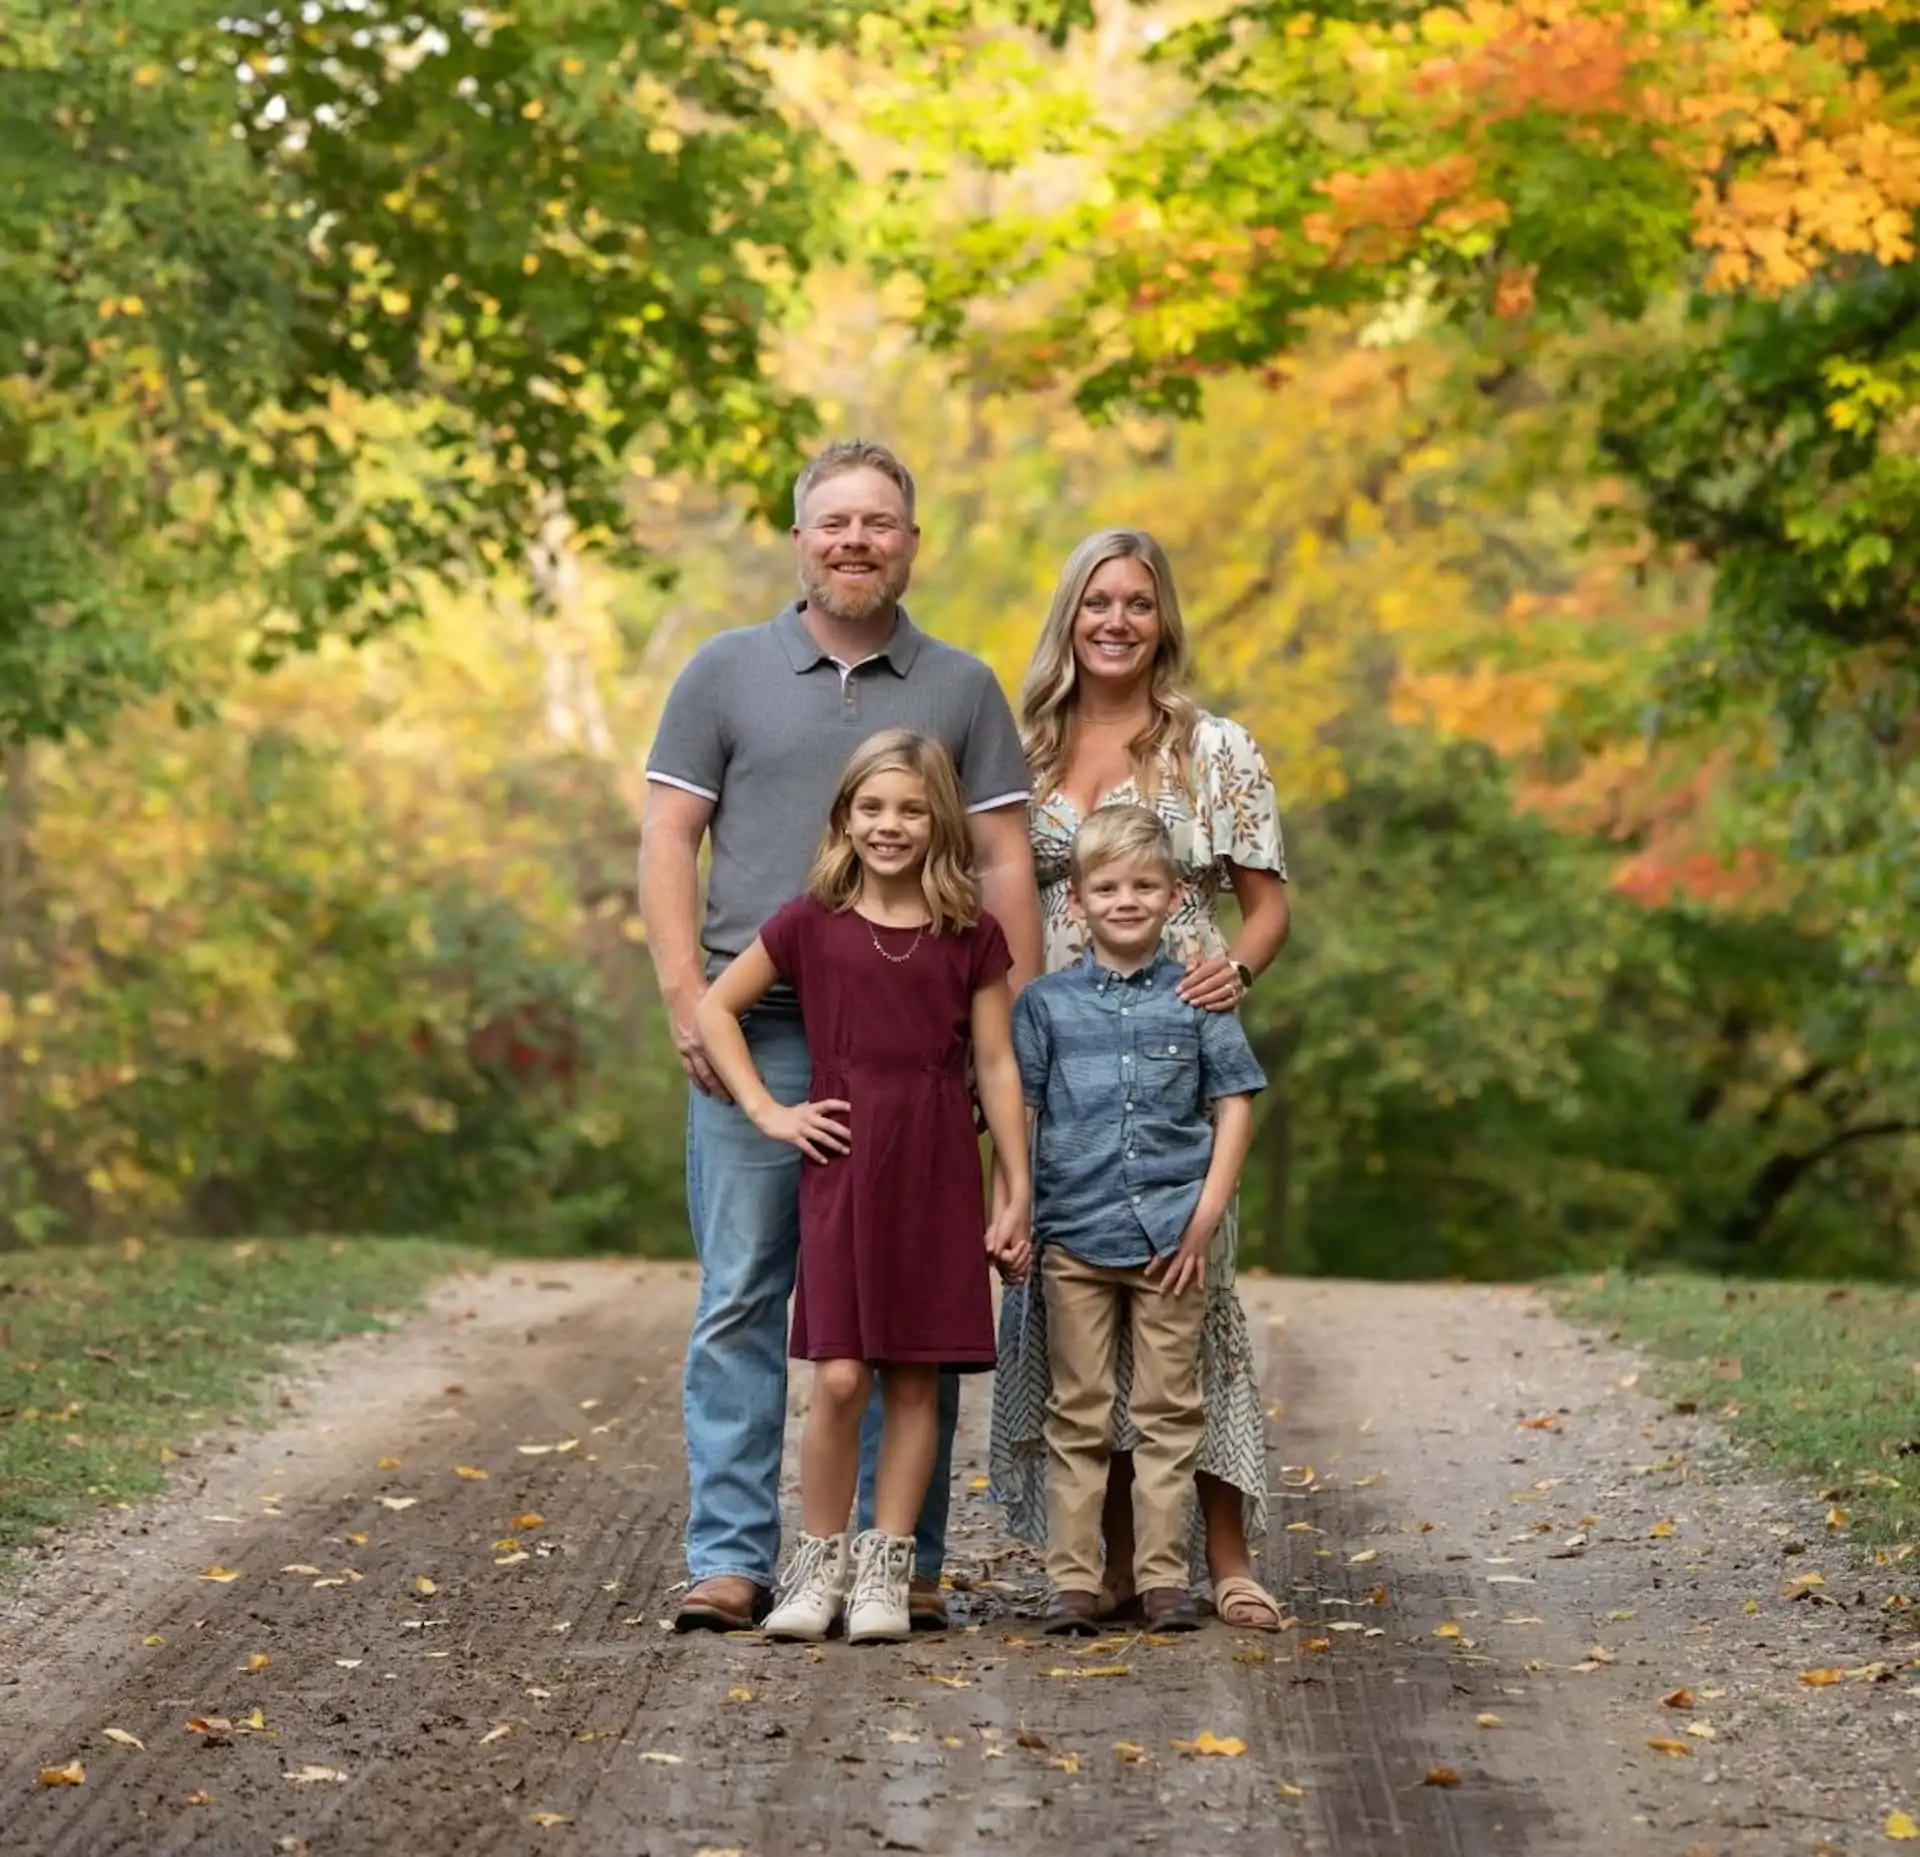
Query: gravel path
x=454 y=1558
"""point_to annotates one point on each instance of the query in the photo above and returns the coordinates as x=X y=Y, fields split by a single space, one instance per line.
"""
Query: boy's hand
x=1185 y=1267
x=1008 y=1243
x=816 y=1129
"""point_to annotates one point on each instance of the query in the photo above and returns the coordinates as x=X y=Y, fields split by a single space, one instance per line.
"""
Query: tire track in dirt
x=1429 y=1506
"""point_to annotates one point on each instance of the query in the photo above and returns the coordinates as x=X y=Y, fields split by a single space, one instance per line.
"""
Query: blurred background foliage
x=1527 y=394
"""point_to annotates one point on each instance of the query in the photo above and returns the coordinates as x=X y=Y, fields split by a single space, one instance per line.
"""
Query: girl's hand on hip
x=818 y=1130
x=1212 y=985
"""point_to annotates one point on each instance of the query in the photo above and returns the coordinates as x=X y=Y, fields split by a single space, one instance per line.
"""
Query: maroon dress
x=893 y=1259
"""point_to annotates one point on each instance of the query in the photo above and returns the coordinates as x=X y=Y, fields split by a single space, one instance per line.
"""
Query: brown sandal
x=1170 y=1608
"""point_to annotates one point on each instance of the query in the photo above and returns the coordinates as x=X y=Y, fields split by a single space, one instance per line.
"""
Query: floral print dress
x=1229 y=817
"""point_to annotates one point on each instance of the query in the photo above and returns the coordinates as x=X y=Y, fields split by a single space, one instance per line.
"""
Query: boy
x=1143 y=1112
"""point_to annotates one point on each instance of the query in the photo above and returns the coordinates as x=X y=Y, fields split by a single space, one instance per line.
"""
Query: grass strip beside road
x=1823 y=1378
x=113 y=1359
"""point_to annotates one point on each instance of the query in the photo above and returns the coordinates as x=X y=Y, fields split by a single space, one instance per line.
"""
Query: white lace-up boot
x=882 y=1569
x=812 y=1591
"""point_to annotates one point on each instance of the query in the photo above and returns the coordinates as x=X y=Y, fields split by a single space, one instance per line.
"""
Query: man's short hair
x=852 y=454
x=1121 y=835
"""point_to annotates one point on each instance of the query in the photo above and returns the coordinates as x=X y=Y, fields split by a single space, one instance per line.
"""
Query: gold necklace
x=899 y=960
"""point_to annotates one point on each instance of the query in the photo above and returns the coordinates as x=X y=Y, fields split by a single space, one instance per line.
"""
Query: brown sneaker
x=1170 y=1608
x=1071 y=1615
x=926 y=1604
x=727 y=1602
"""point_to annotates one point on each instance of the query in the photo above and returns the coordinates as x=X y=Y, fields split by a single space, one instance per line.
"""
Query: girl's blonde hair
x=946 y=879
x=1050 y=694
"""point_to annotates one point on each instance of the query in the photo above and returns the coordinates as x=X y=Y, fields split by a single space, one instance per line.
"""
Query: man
x=755 y=733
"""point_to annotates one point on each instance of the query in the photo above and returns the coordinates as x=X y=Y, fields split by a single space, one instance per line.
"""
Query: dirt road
x=450 y=1566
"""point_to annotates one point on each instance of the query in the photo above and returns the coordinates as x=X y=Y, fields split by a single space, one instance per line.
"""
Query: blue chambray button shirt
x=1123 y=1075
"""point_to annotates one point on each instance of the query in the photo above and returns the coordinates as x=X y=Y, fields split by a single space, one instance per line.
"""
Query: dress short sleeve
x=786 y=936
x=990 y=957
x=1243 y=817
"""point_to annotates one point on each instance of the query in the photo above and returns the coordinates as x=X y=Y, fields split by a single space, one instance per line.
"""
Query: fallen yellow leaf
x=1678 y=1699
x=1899 y=1827
x=1660 y=1531
x=472 y=1475
x=1067 y=1763
x=153 y=1640
x=1360 y=1559
x=1822 y=1679
x=1487 y=1721
x=1675 y=1749
x=1314 y=1646
x=125 y=1739
x=1071 y=1670
x=222 y=1574
x=739 y=1695
x=311 y=1775
x=1303 y=1528
x=1448 y=1630
x=1701 y=1731
x=356 y=1540
x=199 y=1798
x=1228 y=1747
x=547 y=1820
x=258 y=1661
x=949 y=1682
x=1440 y=1776
x=1545 y=1422
x=659 y=1759
x=72 y=1774
x=1287 y=1791
x=498 y=1732
x=398 y=1502
x=1131 y=1752
x=531 y=1519
x=388 y=1463
x=979 y=1482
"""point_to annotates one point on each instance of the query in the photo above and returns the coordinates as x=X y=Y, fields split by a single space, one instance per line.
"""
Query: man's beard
x=854 y=606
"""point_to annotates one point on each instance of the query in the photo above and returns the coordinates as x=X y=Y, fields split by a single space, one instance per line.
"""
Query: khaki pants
x=1085 y=1307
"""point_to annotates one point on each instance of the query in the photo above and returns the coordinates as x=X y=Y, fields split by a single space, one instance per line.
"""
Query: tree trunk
x=1771 y=1186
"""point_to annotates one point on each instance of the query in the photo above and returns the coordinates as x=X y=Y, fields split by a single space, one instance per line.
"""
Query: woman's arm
x=813 y=1128
x=1265 y=922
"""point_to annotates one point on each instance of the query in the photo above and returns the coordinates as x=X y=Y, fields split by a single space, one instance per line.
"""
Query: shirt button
x=1173 y=1050
x=1125 y=1010
x=1136 y=1199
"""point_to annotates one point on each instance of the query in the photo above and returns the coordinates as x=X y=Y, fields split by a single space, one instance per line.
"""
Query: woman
x=1104 y=719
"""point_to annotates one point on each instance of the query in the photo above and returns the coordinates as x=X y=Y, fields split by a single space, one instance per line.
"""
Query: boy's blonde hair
x=1121 y=834
x=946 y=879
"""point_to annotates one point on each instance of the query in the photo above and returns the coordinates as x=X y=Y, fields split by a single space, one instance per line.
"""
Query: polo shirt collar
x=804 y=653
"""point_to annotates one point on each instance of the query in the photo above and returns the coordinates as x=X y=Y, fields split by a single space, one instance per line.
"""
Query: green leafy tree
x=547 y=240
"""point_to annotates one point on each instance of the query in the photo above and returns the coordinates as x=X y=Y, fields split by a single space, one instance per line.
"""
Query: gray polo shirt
x=762 y=722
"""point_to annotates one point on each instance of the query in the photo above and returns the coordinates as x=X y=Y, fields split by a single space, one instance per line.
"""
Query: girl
x=900 y=979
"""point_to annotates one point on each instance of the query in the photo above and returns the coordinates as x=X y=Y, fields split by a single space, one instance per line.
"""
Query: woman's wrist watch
x=1246 y=976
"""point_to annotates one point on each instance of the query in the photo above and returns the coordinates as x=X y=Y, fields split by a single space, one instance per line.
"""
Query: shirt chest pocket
x=1170 y=1071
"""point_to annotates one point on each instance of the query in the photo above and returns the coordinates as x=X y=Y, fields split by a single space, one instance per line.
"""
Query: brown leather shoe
x=1170 y=1608
x=727 y=1602
x=926 y=1604
x=1071 y=1615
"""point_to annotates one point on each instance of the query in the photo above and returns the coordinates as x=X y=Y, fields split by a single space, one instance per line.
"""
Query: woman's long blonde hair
x=1050 y=694
x=946 y=879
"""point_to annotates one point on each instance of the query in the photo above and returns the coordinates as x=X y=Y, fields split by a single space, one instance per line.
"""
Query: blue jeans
x=743 y=1192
